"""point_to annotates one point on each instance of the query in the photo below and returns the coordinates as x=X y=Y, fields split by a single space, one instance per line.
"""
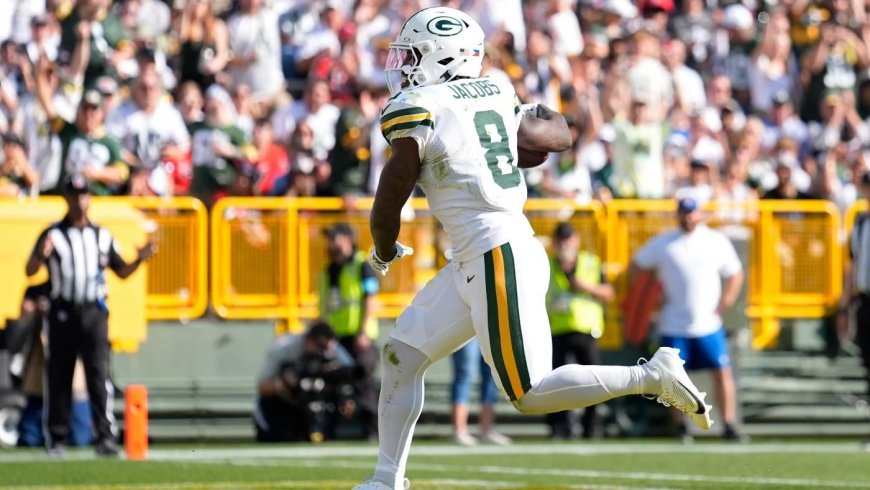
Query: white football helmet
x=435 y=45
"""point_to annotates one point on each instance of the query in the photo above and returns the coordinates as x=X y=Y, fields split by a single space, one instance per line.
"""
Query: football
x=530 y=158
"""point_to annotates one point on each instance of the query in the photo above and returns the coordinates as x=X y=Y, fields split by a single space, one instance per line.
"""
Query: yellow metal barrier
x=268 y=254
x=796 y=266
x=794 y=243
x=253 y=258
x=178 y=282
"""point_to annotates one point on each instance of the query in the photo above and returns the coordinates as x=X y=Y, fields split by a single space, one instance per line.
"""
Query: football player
x=462 y=138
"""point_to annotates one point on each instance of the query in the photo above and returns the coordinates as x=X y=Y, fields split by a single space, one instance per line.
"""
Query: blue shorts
x=707 y=352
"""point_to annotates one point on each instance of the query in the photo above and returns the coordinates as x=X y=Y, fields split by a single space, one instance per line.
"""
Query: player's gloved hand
x=382 y=265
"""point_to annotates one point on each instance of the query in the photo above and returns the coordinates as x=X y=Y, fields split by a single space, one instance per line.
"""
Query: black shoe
x=731 y=434
x=107 y=448
x=56 y=450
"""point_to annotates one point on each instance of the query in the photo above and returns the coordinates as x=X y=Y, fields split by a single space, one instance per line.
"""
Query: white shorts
x=500 y=297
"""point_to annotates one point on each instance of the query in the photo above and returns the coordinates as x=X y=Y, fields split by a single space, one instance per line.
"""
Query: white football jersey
x=467 y=133
x=145 y=135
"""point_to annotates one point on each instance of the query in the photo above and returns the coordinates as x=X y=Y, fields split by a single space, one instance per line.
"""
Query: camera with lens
x=322 y=384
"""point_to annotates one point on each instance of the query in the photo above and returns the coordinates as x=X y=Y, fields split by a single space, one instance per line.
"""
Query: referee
x=77 y=252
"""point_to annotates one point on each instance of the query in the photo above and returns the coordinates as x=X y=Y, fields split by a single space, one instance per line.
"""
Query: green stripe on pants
x=492 y=323
x=514 y=317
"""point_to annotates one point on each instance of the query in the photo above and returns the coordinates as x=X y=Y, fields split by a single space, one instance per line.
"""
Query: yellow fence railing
x=261 y=258
x=267 y=255
x=178 y=282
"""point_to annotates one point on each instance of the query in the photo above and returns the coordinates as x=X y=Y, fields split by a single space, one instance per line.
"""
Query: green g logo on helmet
x=445 y=26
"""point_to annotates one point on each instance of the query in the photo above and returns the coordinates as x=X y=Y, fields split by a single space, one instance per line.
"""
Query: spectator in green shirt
x=218 y=145
x=86 y=147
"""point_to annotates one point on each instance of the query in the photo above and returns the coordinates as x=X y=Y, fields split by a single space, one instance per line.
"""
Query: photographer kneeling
x=304 y=387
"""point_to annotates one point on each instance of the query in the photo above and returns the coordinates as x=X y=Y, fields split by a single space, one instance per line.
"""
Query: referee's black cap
x=75 y=184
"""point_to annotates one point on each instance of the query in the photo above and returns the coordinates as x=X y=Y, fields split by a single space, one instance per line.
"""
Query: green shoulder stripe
x=409 y=125
x=402 y=112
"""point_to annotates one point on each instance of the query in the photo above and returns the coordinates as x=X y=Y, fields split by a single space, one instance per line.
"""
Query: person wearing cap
x=701 y=276
x=347 y=294
x=86 y=148
x=17 y=178
x=575 y=306
x=218 y=146
x=856 y=290
x=76 y=252
x=783 y=122
x=283 y=412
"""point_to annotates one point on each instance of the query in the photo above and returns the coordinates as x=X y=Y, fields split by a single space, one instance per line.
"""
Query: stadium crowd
x=709 y=99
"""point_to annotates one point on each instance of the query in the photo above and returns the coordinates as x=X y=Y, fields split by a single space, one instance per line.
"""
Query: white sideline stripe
x=308 y=485
x=633 y=475
x=331 y=451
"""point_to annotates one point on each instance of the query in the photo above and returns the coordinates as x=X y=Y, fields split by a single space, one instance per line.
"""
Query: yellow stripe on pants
x=507 y=350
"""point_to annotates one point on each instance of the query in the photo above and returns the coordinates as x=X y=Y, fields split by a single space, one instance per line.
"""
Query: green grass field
x=529 y=465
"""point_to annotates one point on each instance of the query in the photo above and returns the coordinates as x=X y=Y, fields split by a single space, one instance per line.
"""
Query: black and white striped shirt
x=76 y=267
x=859 y=249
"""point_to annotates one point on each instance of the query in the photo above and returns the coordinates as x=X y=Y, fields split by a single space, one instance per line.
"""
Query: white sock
x=576 y=386
x=399 y=407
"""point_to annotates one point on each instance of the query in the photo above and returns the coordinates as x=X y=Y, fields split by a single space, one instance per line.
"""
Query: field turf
x=539 y=465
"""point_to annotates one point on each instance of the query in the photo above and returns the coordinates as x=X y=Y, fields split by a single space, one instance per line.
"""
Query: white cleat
x=678 y=391
x=379 y=485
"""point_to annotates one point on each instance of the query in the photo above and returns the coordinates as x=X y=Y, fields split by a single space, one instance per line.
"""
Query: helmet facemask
x=417 y=65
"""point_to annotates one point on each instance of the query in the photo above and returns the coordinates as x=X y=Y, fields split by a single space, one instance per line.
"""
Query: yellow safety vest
x=342 y=307
x=570 y=311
